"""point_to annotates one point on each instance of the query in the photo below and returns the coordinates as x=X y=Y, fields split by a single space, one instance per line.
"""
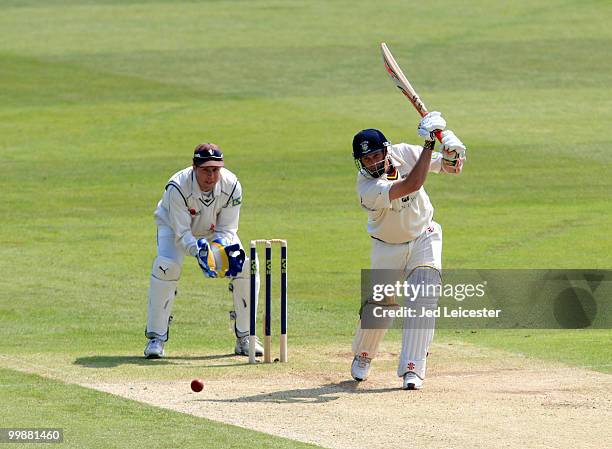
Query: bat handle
x=439 y=136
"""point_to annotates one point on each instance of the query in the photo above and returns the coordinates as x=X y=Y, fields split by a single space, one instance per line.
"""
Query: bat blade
x=401 y=82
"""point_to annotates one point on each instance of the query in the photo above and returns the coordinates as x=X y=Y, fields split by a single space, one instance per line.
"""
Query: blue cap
x=208 y=155
x=368 y=141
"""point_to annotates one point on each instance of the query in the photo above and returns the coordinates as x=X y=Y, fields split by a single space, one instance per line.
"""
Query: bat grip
x=439 y=136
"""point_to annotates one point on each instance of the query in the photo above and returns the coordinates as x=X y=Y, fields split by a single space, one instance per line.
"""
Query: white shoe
x=154 y=349
x=360 y=367
x=412 y=381
x=242 y=346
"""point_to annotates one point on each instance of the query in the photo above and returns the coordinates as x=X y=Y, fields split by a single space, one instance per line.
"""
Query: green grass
x=588 y=349
x=103 y=100
x=126 y=424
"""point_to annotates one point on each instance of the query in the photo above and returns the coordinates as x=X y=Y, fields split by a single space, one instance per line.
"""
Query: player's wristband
x=429 y=145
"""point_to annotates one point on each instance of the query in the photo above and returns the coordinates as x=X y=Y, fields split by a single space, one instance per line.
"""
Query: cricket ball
x=197 y=385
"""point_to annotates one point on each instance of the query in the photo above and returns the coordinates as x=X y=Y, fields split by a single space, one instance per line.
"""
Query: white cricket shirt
x=193 y=214
x=403 y=219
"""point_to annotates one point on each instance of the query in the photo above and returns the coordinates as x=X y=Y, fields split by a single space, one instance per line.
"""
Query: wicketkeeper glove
x=218 y=259
x=203 y=260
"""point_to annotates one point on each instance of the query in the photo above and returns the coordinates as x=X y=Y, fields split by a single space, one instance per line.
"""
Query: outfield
x=102 y=101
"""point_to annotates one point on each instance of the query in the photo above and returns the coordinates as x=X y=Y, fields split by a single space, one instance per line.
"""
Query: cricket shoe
x=412 y=381
x=154 y=349
x=242 y=346
x=360 y=367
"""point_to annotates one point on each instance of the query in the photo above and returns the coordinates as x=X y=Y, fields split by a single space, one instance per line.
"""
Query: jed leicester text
x=403 y=312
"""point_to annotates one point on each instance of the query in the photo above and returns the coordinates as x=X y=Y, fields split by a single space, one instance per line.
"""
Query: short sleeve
x=436 y=162
x=411 y=154
x=374 y=194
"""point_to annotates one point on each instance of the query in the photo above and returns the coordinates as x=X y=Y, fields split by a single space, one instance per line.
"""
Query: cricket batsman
x=404 y=236
x=197 y=216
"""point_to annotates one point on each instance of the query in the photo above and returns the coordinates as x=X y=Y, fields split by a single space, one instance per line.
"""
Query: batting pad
x=240 y=287
x=162 y=291
x=367 y=341
x=419 y=330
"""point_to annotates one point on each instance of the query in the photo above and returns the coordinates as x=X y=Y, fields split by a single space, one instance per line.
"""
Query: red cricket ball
x=197 y=385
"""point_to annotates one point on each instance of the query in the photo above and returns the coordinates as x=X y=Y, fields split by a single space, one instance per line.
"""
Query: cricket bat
x=402 y=83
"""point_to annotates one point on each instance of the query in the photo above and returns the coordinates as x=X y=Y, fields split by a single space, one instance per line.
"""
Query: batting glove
x=453 y=152
x=430 y=123
x=451 y=142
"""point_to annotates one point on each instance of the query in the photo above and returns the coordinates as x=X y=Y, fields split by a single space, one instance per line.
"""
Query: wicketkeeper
x=198 y=217
x=404 y=235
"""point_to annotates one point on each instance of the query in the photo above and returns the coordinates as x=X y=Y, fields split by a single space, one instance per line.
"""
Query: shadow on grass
x=112 y=361
x=317 y=395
